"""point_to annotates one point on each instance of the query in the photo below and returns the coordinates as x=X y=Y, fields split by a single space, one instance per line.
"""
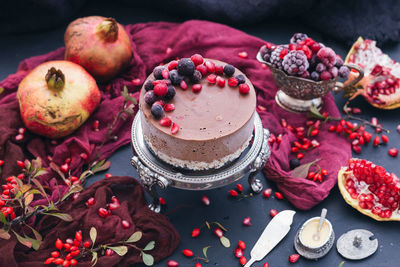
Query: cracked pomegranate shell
x=370 y=189
x=380 y=85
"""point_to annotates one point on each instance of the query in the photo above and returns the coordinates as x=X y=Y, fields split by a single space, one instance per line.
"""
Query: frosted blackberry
x=186 y=67
x=295 y=63
x=175 y=77
x=170 y=93
x=157 y=110
x=229 y=70
x=241 y=79
x=297 y=37
x=150 y=97
x=315 y=76
x=265 y=51
x=276 y=59
x=157 y=72
x=344 y=72
x=196 y=77
x=320 y=67
x=148 y=85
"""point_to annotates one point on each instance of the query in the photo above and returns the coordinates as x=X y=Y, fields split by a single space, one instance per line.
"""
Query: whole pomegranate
x=370 y=189
x=56 y=98
x=99 y=44
x=381 y=83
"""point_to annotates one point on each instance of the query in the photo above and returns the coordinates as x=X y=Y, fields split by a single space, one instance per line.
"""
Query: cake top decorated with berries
x=197 y=99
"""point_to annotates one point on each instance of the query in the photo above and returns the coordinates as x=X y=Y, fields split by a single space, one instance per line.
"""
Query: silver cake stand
x=154 y=171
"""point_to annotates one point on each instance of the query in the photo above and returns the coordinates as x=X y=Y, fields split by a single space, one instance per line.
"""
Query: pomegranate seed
x=172 y=263
x=205 y=200
x=233 y=82
x=241 y=245
x=300 y=155
x=393 y=152
x=247 y=221
x=293 y=258
x=243 y=260
x=49 y=261
x=376 y=141
x=174 y=128
x=239 y=187
x=221 y=81
x=278 y=195
x=378 y=130
x=310 y=175
x=196 y=88
x=19 y=137
x=314 y=132
x=166 y=122
x=95 y=125
x=218 y=232
x=195 y=232
x=108 y=175
x=136 y=82
x=385 y=139
x=266 y=264
x=86 y=244
x=64 y=168
x=197 y=264
x=398 y=128
x=109 y=252
x=210 y=66
x=238 y=253
x=233 y=193
x=162 y=201
x=197 y=59
x=295 y=149
x=84 y=156
x=261 y=108
x=267 y=192
x=332 y=128
x=125 y=224
x=173 y=64
x=58 y=261
x=1 y=162
x=168 y=50
x=55 y=254
x=243 y=54
x=59 y=244
x=273 y=212
x=169 y=107
x=374 y=121
x=78 y=236
x=21 y=164
x=187 y=253
x=114 y=199
x=183 y=85
x=244 y=88
x=113 y=206
x=103 y=212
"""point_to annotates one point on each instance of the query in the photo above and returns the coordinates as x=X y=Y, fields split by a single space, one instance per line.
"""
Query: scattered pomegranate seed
x=173 y=64
x=172 y=263
x=136 y=82
x=261 y=108
x=195 y=232
x=196 y=88
x=103 y=212
x=273 y=212
x=198 y=264
x=243 y=54
x=243 y=260
x=64 y=168
x=73 y=262
x=314 y=132
x=174 y=128
x=238 y=253
x=108 y=175
x=385 y=139
x=205 y=200
x=278 y=195
x=376 y=141
x=168 y=50
x=109 y=252
x=293 y=258
x=353 y=136
x=239 y=187
x=244 y=88
x=241 y=245
x=19 y=137
x=169 y=107
x=166 y=122
x=125 y=224
x=78 y=236
x=266 y=264
x=1 y=162
x=221 y=81
x=95 y=125
x=374 y=121
x=59 y=244
x=84 y=156
x=247 y=221
x=183 y=85
x=267 y=192
x=367 y=136
x=21 y=164
x=113 y=206
x=218 y=232
x=393 y=152
x=187 y=253
x=233 y=193
x=163 y=201
x=398 y=128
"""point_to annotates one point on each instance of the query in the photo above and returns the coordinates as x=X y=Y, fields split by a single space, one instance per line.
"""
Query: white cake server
x=275 y=231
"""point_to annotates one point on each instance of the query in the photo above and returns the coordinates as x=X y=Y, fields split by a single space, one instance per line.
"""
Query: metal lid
x=357 y=244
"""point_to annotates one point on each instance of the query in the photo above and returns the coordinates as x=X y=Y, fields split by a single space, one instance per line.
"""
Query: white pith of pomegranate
x=370 y=189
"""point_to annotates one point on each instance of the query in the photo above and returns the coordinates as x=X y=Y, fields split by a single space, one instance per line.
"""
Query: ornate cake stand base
x=153 y=171
x=296 y=105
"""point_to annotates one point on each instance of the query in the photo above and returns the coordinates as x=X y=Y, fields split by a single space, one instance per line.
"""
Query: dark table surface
x=185 y=209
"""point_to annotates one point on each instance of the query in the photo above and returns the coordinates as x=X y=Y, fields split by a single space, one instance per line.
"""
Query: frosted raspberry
x=327 y=56
x=295 y=63
x=344 y=72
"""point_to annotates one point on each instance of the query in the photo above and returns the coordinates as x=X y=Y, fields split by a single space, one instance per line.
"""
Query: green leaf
x=225 y=241
x=314 y=112
x=101 y=166
x=147 y=259
x=4 y=234
x=205 y=251
x=40 y=172
x=36 y=233
x=220 y=225
x=74 y=189
x=55 y=168
x=35 y=243
x=120 y=250
x=149 y=246
x=24 y=241
x=63 y=216
x=136 y=236
x=302 y=170
x=93 y=234
x=127 y=96
x=3 y=219
x=94 y=258
x=39 y=185
x=341 y=264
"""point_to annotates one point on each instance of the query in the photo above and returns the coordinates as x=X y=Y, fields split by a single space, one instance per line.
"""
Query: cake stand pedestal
x=153 y=171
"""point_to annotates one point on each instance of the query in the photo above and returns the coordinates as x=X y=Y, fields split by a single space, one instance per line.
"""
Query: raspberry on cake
x=209 y=125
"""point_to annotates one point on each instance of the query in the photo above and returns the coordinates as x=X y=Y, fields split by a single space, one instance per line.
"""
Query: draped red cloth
x=149 y=45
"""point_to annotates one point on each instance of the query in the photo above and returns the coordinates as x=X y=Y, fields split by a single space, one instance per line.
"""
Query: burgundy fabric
x=133 y=209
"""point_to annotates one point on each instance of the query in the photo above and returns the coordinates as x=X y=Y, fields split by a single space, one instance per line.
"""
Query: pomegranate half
x=381 y=82
x=56 y=98
x=99 y=44
x=370 y=189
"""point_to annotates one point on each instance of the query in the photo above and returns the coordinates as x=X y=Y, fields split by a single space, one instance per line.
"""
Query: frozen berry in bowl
x=295 y=63
x=298 y=37
x=276 y=56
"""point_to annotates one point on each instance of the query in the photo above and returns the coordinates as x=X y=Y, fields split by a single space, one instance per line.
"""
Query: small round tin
x=311 y=252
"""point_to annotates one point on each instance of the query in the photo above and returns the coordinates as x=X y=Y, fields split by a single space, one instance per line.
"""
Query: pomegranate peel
x=344 y=174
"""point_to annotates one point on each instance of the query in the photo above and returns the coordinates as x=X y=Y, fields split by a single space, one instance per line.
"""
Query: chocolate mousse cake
x=197 y=113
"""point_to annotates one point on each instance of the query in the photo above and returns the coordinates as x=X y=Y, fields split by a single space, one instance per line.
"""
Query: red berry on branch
x=59 y=244
x=187 y=253
x=109 y=252
x=393 y=152
x=266 y=264
x=238 y=253
x=233 y=193
x=21 y=164
x=172 y=263
x=49 y=261
x=195 y=232
x=55 y=254
x=108 y=175
x=86 y=244
x=239 y=187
